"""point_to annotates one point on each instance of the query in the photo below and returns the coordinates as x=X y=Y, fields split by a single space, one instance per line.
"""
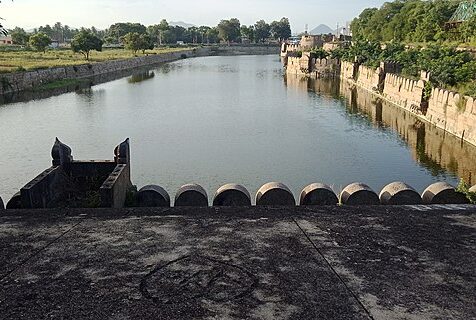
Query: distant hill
x=321 y=29
x=181 y=24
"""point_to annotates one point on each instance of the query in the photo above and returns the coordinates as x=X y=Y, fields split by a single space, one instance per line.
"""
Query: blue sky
x=102 y=13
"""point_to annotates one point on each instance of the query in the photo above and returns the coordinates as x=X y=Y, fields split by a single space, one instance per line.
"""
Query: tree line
x=163 y=33
x=413 y=21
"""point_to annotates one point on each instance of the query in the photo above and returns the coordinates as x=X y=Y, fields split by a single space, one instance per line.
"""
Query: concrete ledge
x=191 y=195
x=358 y=194
x=153 y=196
x=443 y=193
x=399 y=193
x=14 y=202
x=318 y=194
x=275 y=194
x=232 y=195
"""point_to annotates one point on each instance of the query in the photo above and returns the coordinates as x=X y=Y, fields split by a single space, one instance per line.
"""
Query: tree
x=281 y=29
x=19 y=36
x=262 y=30
x=40 y=41
x=203 y=31
x=119 y=30
x=468 y=29
x=248 y=32
x=84 y=42
x=213 y=35
x=135 y=42
x=229 y=30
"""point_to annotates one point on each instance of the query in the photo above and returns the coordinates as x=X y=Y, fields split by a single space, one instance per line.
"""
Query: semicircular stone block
x=153 y=196
x=399 y=193
x=232 y=195
x=2 y=207
x=191 y=195
x=473 y=189
x=443 y=193
x=15 y=201
x=356 y=194
x=275 y=194
x=318 y=194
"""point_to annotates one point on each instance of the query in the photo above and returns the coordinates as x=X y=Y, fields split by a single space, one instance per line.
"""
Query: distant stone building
x=6 y=40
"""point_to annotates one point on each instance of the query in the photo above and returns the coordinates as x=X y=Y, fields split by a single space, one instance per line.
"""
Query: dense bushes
x=412 y=21
x=448 y=67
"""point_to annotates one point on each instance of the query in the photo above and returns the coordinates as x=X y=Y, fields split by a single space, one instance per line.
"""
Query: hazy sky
x=102 y=13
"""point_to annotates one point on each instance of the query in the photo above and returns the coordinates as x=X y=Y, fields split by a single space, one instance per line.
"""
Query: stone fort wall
x=404 y=92
x=454 y=113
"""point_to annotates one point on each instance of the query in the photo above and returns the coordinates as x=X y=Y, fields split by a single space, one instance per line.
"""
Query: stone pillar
x=61 y=153
x=356 y=194
x=191 y=195
x=399 y=193
x=275 y=194
x=2 y=207
x=443 y=193
x=232 y=195
x=153 y=196
x=318 y=194
x=122 y=153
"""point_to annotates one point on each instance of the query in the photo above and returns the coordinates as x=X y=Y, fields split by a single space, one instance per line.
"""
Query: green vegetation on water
x=59 y=84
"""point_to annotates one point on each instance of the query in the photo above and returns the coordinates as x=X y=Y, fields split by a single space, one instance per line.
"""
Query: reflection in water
x=432 y=148
x=141 y=76
x=245 y=126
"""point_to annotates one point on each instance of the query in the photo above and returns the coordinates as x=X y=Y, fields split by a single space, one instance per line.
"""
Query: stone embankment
x=23 y=81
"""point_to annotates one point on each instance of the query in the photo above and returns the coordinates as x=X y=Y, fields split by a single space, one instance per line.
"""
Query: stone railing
x=278 y=194
x=69 y=180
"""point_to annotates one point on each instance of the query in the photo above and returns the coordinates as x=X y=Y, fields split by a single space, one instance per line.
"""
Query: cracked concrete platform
x=412 y=262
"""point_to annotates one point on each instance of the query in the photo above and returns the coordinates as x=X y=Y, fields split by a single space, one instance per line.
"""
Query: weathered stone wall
x=316 y=68
x=404 y=92
x=347 y=70
x=368 y=78
x=20 y=81
x=453 y=113
x=294 y=66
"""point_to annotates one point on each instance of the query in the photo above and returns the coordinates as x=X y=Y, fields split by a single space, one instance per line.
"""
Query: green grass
x=21 y=60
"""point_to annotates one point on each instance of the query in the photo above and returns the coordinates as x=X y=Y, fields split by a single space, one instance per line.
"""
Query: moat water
x=216 y=120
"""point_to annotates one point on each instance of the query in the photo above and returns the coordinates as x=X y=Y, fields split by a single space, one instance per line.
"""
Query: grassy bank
x=11 y=61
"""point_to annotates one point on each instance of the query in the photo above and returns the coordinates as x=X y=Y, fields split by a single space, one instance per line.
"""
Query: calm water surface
x=216 y=120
